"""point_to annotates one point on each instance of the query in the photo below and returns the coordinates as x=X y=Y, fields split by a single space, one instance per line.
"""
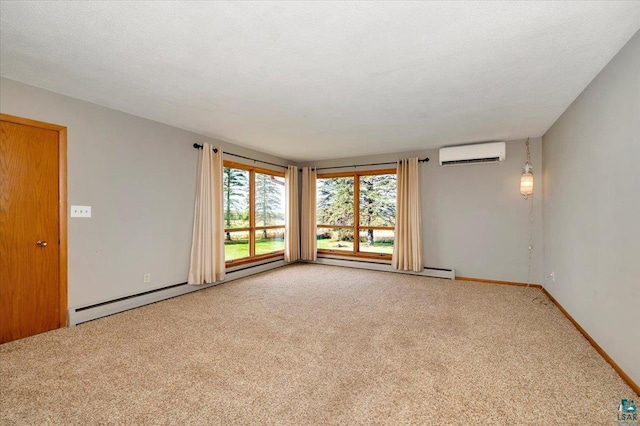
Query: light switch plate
x=80 y=211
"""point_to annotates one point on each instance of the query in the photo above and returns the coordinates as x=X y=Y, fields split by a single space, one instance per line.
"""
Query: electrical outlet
x=553 y=276
x=147 y=277
x=80 y=211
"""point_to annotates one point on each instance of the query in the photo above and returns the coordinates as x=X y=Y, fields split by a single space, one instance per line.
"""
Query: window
x=253 y=212
x=356 y=213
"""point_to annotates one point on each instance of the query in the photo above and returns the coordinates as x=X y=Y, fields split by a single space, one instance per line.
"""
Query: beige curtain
x=207 y=246
x=291 y=215
x=308 y=215
x=407 y=250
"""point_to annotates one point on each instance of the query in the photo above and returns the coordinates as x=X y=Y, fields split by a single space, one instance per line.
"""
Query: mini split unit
x=473 y=154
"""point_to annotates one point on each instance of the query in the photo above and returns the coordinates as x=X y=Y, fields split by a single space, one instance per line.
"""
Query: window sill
x=357 y=255
x=246 y=260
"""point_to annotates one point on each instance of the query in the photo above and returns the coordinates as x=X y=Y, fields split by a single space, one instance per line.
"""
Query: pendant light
x=526 y=180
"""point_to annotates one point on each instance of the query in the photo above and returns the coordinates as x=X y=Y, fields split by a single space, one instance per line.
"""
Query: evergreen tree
x=236 y=190
x=269 y=193
x=335 y=204
x=377 y=202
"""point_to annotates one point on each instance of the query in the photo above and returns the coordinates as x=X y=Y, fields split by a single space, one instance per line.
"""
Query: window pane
x=236 y=198
x=236 y=245
x=269 y=241
x=378 y=200
x=334 y=200
x=335 y=239
x=269 y=200
x=377 y=241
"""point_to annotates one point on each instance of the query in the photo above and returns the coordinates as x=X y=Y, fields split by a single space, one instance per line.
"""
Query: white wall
x=591 y=159
x=139 y=177
x=473 y=216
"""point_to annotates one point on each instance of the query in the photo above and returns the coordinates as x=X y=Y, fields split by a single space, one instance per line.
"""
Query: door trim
x=62 y=203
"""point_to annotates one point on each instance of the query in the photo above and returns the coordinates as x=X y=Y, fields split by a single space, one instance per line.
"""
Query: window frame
x=252 y=228
x=356 y=227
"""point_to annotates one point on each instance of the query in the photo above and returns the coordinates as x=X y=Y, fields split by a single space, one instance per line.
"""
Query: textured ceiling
x=318 y=80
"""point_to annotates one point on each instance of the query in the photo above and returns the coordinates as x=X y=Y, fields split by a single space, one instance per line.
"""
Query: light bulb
x=526 y=184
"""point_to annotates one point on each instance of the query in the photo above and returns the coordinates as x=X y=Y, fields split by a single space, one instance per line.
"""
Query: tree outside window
x=253 y=212
x=371 y=197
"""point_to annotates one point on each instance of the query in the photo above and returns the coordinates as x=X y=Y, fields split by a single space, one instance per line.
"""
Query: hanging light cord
x=527 y=168
x=530 y=242
x=530 y=246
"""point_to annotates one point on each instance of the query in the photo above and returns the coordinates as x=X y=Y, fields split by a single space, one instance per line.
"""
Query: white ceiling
x=318 y=80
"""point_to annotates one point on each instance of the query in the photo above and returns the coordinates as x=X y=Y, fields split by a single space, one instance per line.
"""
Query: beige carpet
x=312 y=344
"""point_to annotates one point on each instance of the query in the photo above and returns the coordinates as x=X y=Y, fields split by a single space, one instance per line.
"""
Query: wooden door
x=32 y=221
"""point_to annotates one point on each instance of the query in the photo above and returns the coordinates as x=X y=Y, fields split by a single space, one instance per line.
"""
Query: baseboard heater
x=384 y=266
x=98 y=310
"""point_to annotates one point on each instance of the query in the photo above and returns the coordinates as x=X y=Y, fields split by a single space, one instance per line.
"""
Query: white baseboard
x=82 y=314
x=377 y=265
x=78 y=315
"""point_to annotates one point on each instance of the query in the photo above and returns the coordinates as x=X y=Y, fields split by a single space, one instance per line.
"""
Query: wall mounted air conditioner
x=473 y=154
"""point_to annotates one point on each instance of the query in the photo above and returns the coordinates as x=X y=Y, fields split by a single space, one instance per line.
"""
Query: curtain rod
x=424 y=160
x=198 y=146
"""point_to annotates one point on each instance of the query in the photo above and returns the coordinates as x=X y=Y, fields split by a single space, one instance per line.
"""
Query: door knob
x=41 y=243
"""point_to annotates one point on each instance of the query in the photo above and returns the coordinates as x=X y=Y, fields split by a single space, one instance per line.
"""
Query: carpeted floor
x=312 y=344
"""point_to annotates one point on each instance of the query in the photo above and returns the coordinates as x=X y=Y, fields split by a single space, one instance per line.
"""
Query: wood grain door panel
x=29 y=212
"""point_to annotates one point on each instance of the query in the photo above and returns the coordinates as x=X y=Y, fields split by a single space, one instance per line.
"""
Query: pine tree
x=335 y=204
x=269 y=193
x=377 y=202
x=235 y=187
